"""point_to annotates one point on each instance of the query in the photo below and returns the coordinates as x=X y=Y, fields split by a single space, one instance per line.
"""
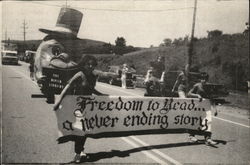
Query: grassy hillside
x=225 y=58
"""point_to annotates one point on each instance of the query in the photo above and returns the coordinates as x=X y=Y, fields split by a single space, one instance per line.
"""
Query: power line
x=115 y=10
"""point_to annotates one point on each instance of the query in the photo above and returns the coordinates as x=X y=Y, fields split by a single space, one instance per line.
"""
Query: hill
x=33 y=44
x=85 y=45
x=225 y=58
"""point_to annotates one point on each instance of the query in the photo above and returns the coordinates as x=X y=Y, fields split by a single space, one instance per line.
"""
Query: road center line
x=145 y=152
x=157 y=151
x=232 y=122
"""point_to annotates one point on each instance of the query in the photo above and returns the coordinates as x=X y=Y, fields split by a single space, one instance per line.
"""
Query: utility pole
x=190 y=49
x=5 y=34
x=24 y=32
x=191 y=46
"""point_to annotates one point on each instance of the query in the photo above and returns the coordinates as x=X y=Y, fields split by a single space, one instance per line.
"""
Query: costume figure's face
x=55 y=52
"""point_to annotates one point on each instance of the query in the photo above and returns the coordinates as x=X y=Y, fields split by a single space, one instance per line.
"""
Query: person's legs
x=214 y=108
x=79 y=147
x=208 y=139
x=191 y=137
x=123 y=79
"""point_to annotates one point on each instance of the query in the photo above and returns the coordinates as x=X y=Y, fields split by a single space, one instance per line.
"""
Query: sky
x=142 y=23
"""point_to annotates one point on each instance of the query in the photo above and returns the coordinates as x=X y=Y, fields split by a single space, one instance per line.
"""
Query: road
x=29 y=132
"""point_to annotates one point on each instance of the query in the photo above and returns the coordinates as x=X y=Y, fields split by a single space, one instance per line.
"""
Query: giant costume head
x=60 y=49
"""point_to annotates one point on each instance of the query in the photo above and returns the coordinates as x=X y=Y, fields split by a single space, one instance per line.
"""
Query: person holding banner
x=82 y=83
x=198 y=91
x=31 y=67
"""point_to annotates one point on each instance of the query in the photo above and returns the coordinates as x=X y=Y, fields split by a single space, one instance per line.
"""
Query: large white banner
x=105 y=116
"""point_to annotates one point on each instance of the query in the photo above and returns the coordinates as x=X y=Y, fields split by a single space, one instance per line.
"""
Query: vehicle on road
x=9 y=57
x=113 y=76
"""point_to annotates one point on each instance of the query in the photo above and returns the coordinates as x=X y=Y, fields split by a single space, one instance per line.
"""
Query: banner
x=111 y=116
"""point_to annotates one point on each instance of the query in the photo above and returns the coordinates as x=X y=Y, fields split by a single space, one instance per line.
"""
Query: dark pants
x=79 y=144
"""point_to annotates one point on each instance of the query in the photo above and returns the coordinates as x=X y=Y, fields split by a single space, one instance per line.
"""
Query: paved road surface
x=29 y=132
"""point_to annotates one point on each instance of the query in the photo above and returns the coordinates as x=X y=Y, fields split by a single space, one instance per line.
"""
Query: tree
x=167 y=42
x=120 y=41
x=120 y=46
x=106 y=48
x=214 y=33
x=177 y=42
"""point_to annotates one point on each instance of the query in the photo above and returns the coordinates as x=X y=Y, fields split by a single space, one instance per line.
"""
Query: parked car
x=9 y=57
x=113 y=76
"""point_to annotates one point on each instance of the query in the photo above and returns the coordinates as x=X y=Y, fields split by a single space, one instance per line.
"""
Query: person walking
x=82 y=83
x=31 y=66
x=198 y=91
x=123 y=76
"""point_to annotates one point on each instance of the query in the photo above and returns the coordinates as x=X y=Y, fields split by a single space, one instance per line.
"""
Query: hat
x=68 y=23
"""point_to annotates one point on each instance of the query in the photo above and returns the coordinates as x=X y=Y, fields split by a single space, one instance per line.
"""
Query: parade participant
x=31 y=67
x=82 y=83
x=148 y=75
x=60 y=49
x=125 y=69
x=180 y=82
x=198 y=91
x=159 y=67
x=153 y=85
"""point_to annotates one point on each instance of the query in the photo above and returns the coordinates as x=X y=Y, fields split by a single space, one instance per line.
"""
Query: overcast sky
x=141 y=23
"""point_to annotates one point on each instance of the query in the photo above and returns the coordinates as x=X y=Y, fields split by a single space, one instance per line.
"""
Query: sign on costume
x=110 y=116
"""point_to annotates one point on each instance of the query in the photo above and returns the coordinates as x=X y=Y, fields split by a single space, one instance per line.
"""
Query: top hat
x=68 y=23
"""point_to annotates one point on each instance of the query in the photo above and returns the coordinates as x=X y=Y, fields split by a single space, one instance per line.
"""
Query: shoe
x=77 y=158
x=192 y=138
x=210 y=142
x=83 y=154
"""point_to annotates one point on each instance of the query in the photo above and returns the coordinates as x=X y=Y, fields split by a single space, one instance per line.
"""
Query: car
x=9 y=57
x=113 y=76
